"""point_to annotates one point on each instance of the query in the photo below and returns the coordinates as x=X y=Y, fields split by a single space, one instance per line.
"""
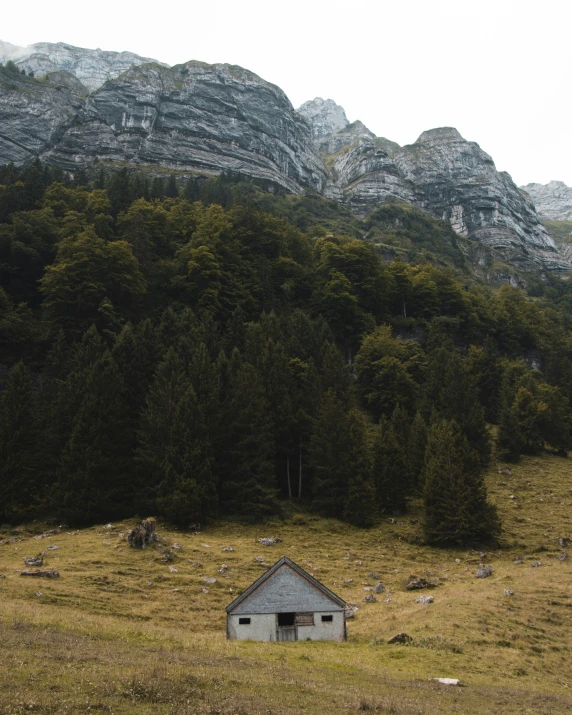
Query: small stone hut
x=286 y=604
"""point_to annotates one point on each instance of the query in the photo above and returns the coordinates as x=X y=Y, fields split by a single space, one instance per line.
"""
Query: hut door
x=286 y=626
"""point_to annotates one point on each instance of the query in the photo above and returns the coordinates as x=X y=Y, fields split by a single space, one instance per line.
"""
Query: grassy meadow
x=122 y=632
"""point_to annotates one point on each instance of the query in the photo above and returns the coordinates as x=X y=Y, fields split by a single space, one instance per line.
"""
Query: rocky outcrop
x=553 y=201
x=193 y=117
x=198 y=118
x=451 y=179
x=34 y=114
x=325 y=117
x=91 y=67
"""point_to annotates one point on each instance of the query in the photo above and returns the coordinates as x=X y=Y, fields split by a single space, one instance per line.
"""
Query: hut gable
x=286 y=587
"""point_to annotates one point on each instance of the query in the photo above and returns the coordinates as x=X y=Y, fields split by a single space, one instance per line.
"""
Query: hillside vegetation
x=119 y=632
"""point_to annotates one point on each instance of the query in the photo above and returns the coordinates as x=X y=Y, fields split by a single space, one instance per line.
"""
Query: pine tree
x=416 y=450
x=246 y=466
x=172 y=190
x=390 y=468
x=510 y=440
x=328 y=457
x=174 y=449
x=19 y=447
x=92 y=480
x=455 y=495
x=360 y=506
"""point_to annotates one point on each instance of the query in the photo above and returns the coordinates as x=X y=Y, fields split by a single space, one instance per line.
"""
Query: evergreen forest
x=207 y=348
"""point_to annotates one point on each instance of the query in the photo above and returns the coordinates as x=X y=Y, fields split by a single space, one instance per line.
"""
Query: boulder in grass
x=141 y=536
x=416 y=583
x=400 y=638
x=269 y=541
x=34 y=560
x=49 y=573
x=425 y=600
x=379 y=588
x=484 y=571
x=448 y=681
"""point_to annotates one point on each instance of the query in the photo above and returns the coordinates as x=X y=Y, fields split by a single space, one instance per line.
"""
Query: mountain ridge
x=201 y=118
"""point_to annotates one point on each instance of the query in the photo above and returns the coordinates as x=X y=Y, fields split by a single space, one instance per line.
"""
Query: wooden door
x=287 y=633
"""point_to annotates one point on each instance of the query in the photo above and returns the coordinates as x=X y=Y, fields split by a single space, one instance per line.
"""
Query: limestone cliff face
x=91 y=67
x=450 y=178
x=192 y=117
x=118 y=108
x=553 y=201
x=34 y=114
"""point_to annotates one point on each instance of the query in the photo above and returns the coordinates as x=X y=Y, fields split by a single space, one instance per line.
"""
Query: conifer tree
x=19 y=447
x=92 y=482
x=455 y=495
x=246 y=464
x=416 y=450
x=390 y=468
x=510 y=440
x=360 y=507
x=328 y=457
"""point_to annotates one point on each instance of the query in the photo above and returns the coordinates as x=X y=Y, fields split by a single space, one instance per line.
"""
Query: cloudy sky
x=498 y=70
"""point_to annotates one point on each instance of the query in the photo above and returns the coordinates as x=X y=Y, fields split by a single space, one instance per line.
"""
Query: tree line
x=194 y=354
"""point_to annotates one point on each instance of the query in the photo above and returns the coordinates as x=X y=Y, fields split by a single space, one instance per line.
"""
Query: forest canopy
x=215 y=347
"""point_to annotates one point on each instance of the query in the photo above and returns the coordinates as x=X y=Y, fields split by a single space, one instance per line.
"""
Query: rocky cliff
x=447 y=176
x=189 y=118
x=553 y=201
x=91 y=67
x=121 y=109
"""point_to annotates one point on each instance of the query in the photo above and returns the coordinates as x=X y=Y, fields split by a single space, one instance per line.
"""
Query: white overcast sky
x=497 y=70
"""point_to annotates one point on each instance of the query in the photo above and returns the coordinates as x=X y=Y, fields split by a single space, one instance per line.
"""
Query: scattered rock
x=176 y=546
x=415 y=582
x=348 y=580
x=260 y=559
x=512 y=496
x=448 y=681
x=38 y=594
x=400 y=638
x=563 y=542
x=386 y=600
x=2 y=575
x=379 y=588
x=484 y=571
x=227 y=549
x=518 y=560
x=52 y=547
x=208 y=579
x=141 y=536
x=34 y=560
x=425 y=600
x=563 y=556
x=196 y=564
x=204 y=590
x=166 y=556
x=536 y=564
x=368 y=588
x=374 y=575
x=51 y=532
x=370 y=599
x=206 y=546
x=269 y=541
x=172 y=569
x=349 y=612
x=109 y=526
x=507 y=472
x=49 y=573
x=457 y=561
x=223 y=569
x=508 y=592
x=149 y=583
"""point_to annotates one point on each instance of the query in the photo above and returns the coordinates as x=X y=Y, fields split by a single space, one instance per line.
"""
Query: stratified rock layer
x=91 y=67
x=553 y=201
x=452 y=179
x=191 y=117
x=119 y=108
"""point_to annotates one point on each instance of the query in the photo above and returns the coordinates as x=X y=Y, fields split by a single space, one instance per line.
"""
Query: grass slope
x=119 y=632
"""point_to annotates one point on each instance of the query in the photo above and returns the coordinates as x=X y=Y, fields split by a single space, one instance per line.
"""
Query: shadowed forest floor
x=121 y=632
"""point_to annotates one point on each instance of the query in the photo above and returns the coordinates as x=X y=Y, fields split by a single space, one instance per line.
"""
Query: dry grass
x=119 y=633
